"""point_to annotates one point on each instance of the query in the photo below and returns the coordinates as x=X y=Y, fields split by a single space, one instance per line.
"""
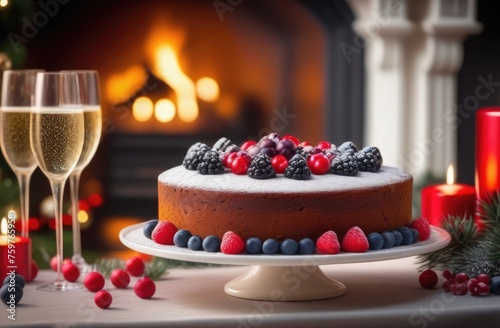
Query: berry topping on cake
x=232 y=243
x=194 y=156
x=344 y=164
x=328 y=243
x=247 y=144
x=279 y=164
x=292 y=138
x=369 y=159
x=289 y=247
x=164 y=233
x=423 y=227
x=149 y=227
x=240 y=165
x=407 y=235
x=388 y=239
x=349 y=147
x=221 y=144
x=211 y=163
x=398 y=237
x=318 y=164
x=211 y=244
x=297 y=168
x=355 y=241
x=324 y=145
x=261 y=168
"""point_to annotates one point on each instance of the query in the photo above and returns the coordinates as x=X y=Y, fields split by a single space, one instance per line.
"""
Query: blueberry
x=211 y=244
x=254 y=245
x=388 y=239
x=495 y=285
x=17 y=279
x=415 y=235
x=289 y=247
x=270 y=246
x=375 y=240
x=181 y=238
x=148 y=228
x=194 y=243
x=307 y=246
x=407 y=235
x=398 y=237
x=9 y=293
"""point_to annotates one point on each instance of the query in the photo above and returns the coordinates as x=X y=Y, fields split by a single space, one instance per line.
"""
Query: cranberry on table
x=135 y=266
x=103 y=299
x=94 y=281
x=145 y=287
x=428 y=279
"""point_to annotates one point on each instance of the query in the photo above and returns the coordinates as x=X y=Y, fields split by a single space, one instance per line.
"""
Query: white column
x=413 y=53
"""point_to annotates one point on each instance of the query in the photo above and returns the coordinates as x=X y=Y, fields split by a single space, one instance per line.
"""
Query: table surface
x=385 y=294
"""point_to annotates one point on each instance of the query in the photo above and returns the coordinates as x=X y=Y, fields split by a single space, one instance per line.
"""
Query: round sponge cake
x=283 y=208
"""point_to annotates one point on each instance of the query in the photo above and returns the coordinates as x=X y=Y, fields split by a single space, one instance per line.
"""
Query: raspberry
x=344 y=164
x=448 y=275
x=318 y=164
x=459 y=289
x=428 y=279
x=194 y=155
x=232 y=243
x=211 y=163
x=297 y=168
x=261 y=167
x=103 y=299
x=70 y=272
x=164 y=233
x=369 y=159
x=144 y=287
x=355 y=241
x=120 y=278
x=94 y=281
x=446 y=285
x=135 y=266
x=348 y=147
x=484 y=278
x=423 y=227
x=328 y=243
x=461 y=278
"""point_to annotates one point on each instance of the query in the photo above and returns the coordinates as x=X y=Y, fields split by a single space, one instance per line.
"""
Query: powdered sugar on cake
x=227 y=182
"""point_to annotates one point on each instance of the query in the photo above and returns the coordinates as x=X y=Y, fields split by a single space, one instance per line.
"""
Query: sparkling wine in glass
x=88 y=81
x=18 y=89
x=56 y=137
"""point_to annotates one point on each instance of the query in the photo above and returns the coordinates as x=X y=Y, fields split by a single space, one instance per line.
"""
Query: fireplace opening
x=176 y=72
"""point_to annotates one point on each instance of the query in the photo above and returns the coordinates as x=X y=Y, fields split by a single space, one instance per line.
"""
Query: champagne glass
x=56 y=136
x=88 y=81
x=18 y=88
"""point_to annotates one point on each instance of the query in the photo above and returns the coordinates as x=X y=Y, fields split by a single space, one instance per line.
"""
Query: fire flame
x=3 y=227
x=450 y=175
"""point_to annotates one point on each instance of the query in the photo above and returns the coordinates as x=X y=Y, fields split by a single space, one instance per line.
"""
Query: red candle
x=15 y=251
x=439 y=201
x=487 y=151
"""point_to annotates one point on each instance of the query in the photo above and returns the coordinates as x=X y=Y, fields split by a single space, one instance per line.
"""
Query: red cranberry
x=318 y=164
x=279 y=164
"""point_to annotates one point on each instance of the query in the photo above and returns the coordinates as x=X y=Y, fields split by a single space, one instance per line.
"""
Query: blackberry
x=297 y=168
x=344 y=164
x=211 y=163
x=348 y=146
x=369 y=159
x=261 y=168
x=221 y=144
x=304 y=151
x=194 y=155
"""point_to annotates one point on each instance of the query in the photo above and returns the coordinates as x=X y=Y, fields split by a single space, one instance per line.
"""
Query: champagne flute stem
x=23 y=179
x=74 y=182
x=57 y=191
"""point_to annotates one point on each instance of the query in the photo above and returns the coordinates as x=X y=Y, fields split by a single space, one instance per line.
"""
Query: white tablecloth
x=385 y=294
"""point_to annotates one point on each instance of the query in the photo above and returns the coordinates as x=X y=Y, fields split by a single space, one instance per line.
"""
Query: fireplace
x=271 y=66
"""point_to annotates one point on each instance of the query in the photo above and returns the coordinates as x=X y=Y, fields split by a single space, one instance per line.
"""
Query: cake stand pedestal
x=281 y=277
x=284 y=283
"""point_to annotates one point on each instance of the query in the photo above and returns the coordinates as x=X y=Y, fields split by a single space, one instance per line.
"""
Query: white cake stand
x=280 y=277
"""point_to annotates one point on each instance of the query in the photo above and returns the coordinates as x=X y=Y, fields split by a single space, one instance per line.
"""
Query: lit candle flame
x=450 y=175
x=3 y=228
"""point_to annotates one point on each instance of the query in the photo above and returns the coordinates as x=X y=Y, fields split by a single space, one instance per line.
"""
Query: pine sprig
x=470 y=251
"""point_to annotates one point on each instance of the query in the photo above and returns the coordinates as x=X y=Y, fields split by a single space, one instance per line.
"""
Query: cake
x=282 y=208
